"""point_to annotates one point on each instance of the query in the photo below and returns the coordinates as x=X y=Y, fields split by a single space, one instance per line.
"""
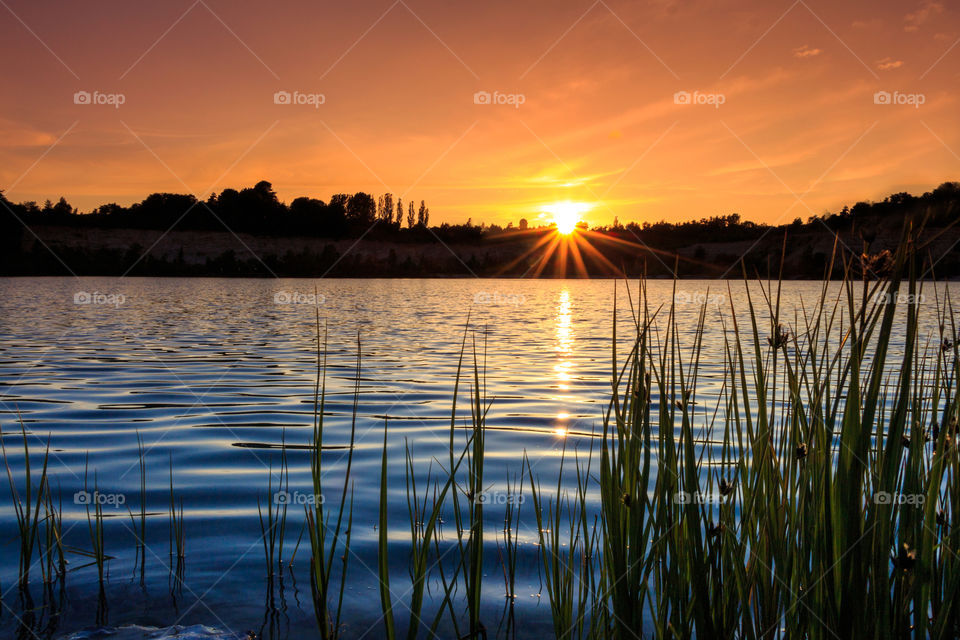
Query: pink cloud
x=916 y=19
x=806 y=52
x=888 y=64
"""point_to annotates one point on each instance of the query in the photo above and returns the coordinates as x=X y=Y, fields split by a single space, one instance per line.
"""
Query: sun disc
x=566 y=215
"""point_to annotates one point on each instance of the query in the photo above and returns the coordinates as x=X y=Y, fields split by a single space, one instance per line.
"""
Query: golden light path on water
x=564 y=348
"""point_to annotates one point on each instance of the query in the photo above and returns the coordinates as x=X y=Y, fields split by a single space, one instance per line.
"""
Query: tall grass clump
x=27 y=510
x=566 y=540
x=54 y=564
x=177 y=537
x=812 y=493
x=139 y=525
x=95 y=528
x=425 y=518
x=329 y=530
x=273 y=528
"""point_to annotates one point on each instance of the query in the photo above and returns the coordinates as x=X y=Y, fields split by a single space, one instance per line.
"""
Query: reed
x=26 y=510
x=54 y=564
x=566 y=541
x=95 y=524
x=273 y=528
x=508 y=544
x=829 y=460
x=177 y=538
x=329 y=531
x=139 y=528
x=425 y=516
x=474 y=489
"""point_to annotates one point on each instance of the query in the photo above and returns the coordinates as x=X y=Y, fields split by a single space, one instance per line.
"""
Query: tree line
x=255 y=210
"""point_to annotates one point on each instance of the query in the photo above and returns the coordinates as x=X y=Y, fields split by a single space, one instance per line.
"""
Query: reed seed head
x=725 y=487
x=907 y=558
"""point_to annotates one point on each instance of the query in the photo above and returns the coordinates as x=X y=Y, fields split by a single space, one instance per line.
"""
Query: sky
x=494 y=111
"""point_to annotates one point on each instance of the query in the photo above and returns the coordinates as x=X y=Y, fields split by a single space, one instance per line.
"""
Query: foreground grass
x=814 y=496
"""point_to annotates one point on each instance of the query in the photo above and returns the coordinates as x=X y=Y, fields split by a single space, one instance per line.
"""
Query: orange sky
x=798 y=130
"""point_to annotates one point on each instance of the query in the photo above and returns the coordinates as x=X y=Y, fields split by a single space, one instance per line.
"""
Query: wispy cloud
x=916 y=19
x=806 y=52
x=888 y=64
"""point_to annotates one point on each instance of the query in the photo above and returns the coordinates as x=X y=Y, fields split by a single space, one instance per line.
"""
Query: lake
x=215 y=375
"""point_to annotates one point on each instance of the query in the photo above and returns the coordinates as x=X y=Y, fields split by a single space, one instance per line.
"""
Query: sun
x=566 y=214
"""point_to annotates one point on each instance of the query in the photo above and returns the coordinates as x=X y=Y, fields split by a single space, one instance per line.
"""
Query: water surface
x=215 y=374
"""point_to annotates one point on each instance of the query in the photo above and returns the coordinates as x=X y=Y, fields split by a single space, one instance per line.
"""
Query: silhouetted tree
x=361 y=210
x=386 y=212
x=411 y=215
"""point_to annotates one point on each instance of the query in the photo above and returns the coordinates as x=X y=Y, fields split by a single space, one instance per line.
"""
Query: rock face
x=136 y=632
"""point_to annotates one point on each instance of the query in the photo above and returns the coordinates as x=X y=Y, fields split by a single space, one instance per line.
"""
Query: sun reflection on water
x=564 y=348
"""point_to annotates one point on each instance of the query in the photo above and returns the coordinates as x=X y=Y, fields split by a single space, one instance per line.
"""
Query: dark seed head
x=714 y=531
x=725 y=487
x=942 y=518
x=626 y=499
x=905 y=441
x=779 y=338
x=802 y=451
x=907 y=558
